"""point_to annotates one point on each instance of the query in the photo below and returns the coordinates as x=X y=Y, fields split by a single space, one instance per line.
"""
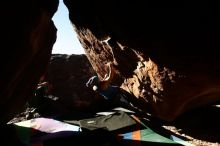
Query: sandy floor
x=200 y=126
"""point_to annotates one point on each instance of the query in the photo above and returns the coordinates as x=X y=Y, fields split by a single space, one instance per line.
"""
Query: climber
x=107 y=91
x=40 y=93
x=42 y=89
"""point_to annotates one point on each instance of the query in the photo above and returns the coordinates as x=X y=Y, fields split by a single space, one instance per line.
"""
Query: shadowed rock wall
x=28 y=35
x=68 y=75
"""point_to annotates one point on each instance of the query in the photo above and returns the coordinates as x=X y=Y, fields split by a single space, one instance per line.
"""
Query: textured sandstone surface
x=165 y=53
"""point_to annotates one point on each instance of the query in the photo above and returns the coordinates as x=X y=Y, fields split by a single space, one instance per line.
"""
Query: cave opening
x=67 y=41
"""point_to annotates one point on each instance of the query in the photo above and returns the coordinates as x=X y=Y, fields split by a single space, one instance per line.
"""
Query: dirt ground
x=199 y=127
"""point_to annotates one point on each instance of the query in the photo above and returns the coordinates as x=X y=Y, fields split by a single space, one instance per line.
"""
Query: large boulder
x=67 y=75
x=165 y=53
x=28 y=34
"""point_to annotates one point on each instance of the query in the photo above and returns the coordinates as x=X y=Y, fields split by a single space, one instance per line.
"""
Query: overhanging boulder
x=165 y=53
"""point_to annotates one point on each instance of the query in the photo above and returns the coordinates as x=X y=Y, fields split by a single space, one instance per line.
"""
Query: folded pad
x=110 y=122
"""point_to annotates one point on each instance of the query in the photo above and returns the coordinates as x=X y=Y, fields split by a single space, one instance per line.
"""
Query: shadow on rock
x=201 y=123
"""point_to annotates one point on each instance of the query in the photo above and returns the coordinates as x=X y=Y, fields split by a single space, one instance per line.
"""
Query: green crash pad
x=146 y=134
x=110 y=122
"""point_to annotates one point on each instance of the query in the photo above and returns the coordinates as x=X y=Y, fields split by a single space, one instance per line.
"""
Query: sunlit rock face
x=28 y=35
x=165 y=53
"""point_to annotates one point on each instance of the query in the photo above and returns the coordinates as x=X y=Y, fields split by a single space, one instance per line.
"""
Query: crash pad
x=109 y=122
x=35 y=131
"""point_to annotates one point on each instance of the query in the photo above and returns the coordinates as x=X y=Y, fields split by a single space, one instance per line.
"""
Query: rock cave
x=165 y=53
